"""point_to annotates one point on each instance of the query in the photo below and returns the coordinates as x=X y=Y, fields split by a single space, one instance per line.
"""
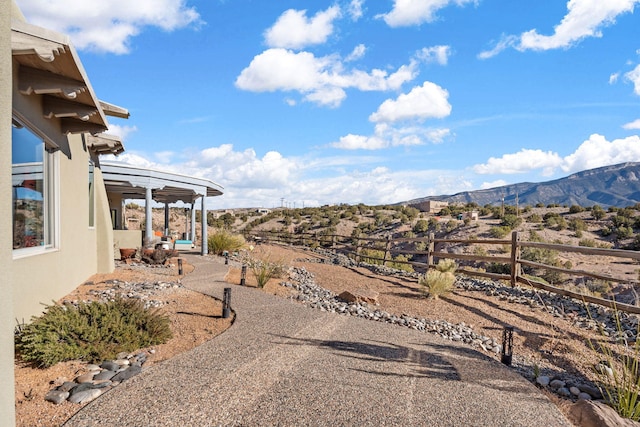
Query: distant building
x=472 y=215
x=263 y=211
x=431 y=206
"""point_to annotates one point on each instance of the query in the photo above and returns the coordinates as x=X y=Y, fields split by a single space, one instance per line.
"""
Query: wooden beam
x=71 y=125
x=58 y=107
x=41 y=82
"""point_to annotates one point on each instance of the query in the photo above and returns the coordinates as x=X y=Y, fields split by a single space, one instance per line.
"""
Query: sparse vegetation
x=438 y=282
x=92 y=331
x=222 y=241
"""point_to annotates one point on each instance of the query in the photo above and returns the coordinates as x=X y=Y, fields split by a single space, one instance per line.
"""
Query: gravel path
x=284 y=364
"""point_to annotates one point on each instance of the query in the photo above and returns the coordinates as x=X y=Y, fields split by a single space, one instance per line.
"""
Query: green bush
x=92 y=331
x=498 y=232
x=222 y=241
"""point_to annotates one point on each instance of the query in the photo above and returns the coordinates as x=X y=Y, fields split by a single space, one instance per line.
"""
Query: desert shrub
x=92 y=331
x=401 y=265
x=624 y=233
x=498 y=268
x=222 y=241
x=620 y=374
x=498 y=232
x=589 y=243
x=511 y=221
x=447 y=266
x=534 y=218
x=542 y=256
x=370 y=254
x=436 y=283
x=451 y=225
x=263 y=271
x=597 y=212
x=576 y=209
x=576 y=224
x=421 y=226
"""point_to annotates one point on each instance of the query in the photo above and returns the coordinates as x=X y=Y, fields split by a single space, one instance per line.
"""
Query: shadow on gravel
x=424 y=361
x=403 y=361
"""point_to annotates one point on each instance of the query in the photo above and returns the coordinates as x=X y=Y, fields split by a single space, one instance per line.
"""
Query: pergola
x=134 y=182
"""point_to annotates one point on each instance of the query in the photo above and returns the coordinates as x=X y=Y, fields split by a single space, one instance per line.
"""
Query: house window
x=91 y=195
x=33 y=201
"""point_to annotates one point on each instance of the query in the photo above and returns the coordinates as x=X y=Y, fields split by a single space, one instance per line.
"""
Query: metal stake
x=507 y=345
x=179 y=266
x=226 y=303
x=243 y=275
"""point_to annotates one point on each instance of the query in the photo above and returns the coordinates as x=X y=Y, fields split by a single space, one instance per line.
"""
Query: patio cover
x=135 y=182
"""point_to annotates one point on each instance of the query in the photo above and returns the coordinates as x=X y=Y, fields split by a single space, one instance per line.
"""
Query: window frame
x=51 y=197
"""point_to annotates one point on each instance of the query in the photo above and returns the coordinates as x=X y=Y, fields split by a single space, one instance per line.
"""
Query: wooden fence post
x=515 y=257
x=431 y=247
x=357 y=240
x=387 y=250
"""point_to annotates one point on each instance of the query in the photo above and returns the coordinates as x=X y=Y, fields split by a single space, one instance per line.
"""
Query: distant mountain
x=617 y=185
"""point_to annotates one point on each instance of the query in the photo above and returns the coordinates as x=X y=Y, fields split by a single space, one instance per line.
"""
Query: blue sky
x=360 y=101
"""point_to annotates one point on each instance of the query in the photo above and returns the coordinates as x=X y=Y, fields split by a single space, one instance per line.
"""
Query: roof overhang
x=104 y=144
x=49 y=68
x=131 y=182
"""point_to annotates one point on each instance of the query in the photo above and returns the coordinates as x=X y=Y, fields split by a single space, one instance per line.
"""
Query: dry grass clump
x=439 y=281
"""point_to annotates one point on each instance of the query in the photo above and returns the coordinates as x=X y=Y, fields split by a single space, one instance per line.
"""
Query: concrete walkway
x=287 y=365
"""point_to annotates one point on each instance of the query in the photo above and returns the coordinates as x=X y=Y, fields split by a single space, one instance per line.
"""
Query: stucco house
x=57 y=216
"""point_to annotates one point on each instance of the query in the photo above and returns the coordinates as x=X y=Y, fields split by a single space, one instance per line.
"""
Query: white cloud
x=122 y=131
x=360 y=142
x=634 y=77
x=416 y=12
x=250 y=180
x=632 y=125
x=523 y=161
x=357 y=53
x=592 y=153
x=505 y=42
x=613 y=78
x=597 y=151
x=355 y=9
x=293 y=30
x=108 y=25
x=319 y=79
x=493 y=184
x=386 y=136
x=439 y=54
x=584 y=18
x=423 y=102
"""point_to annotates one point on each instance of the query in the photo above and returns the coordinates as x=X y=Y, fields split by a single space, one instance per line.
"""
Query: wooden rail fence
x=387 y=249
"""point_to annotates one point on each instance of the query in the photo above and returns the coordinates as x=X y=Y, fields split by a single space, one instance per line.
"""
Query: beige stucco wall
x=7 y=322
x=105 y=243
x=43 y=278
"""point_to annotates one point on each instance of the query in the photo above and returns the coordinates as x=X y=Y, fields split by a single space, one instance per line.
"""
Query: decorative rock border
x=97 y=379
x=588 y=316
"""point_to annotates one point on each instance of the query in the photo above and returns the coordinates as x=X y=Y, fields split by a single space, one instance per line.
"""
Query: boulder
x=587 y=413
x=361 y=295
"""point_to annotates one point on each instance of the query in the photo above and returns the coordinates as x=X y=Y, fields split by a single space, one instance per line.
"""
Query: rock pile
x=314 y=296
x=134 y=290
x=97 y=379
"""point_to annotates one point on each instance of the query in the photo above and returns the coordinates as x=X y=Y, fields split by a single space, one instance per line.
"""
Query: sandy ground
x=542 y=340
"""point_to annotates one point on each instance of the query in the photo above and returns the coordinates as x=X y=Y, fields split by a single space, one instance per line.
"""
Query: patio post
x=148 y=217
x=193 y=222
x=203 y=218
